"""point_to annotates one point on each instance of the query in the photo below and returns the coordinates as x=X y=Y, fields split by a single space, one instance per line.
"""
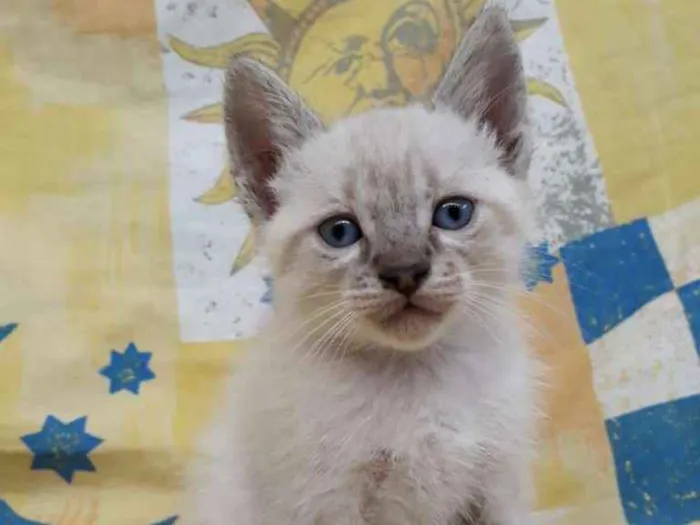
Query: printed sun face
x=394 y=56
x=348 y=56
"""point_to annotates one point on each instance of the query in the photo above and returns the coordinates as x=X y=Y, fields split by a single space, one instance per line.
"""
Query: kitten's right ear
x=263 y=120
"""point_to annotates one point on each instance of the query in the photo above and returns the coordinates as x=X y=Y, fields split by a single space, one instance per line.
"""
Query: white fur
x=336 y=417
x=298 y=434
x=297 y=439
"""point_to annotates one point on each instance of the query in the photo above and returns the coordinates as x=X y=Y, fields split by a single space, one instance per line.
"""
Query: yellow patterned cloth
x=128 y=279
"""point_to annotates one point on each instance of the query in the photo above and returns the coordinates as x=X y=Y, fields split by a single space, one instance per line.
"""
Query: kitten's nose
x=404 y=279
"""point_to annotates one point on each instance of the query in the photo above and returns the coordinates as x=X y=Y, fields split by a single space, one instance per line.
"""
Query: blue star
x=543 y=263
x=126 y=371
x=10 y=517
x=267 y=296
x=7 y=330
x=168 y=521
x=62 y=447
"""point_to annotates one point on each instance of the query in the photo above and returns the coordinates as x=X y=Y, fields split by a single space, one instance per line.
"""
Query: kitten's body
x=396 y=440
x=364 y=403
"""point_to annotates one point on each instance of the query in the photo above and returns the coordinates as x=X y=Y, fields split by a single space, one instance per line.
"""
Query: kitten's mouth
x=407 y=323
x=411 y=309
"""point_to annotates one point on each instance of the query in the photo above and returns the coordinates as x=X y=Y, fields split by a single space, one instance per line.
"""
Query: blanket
x=129 y=280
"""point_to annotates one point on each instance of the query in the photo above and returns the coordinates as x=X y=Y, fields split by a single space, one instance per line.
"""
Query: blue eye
x=339 y=232
x=453 y=213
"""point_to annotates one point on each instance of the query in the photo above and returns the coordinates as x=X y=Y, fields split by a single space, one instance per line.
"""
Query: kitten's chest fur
x=406 y=442
x=402 y=441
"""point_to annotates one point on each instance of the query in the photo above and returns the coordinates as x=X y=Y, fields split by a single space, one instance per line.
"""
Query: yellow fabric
x=637 y=70
x=84 y=208
x=87 y=256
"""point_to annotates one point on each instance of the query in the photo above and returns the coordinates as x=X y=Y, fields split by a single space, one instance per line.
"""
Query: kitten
x=392 y=385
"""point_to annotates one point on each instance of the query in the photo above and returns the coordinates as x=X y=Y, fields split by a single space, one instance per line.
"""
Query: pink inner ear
x=266 y=158
x=263 y=119
x=502 y=112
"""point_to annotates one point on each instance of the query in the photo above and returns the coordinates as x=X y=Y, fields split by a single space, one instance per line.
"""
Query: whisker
x=315 y=314
x=483 y=323
x=487 y=302
x=324 y=322
x=343 y=343
x=345 y=330
x=320 y=294
x=520 y=293
x=320 y=343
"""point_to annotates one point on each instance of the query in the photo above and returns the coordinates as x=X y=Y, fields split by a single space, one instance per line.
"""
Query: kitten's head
x=391 y=226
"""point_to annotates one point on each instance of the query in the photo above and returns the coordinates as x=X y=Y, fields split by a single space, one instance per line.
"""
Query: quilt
x=129 y=280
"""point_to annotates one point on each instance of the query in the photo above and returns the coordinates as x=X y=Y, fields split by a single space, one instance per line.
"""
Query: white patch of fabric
x=213 y=304
x=649 y=359
x=677 y=234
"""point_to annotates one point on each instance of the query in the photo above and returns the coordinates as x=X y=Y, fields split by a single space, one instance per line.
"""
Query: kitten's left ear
x=485 y=81
x=264 y=119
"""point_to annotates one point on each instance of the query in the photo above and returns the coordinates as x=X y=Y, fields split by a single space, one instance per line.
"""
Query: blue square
x=657 y=458
x=690 y=299
x=612 y=274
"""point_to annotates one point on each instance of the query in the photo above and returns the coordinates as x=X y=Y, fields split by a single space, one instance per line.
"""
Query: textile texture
x=128 y=276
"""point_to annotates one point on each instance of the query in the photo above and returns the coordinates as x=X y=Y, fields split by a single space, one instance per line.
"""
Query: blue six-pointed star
x=62 y=447
x=542 y=265
x=7 y=330
x=127 y=370
x=170 y=521
x=10 y=517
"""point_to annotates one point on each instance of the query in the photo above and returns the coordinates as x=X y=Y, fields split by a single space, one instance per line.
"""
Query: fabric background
x=128 y=282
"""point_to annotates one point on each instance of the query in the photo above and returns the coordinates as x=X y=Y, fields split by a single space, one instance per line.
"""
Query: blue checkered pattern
x=614 y=277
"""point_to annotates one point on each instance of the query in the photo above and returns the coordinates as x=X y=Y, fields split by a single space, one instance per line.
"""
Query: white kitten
x=392 y=385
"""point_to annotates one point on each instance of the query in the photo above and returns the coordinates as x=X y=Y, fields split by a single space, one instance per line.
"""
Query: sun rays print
x=343 y=57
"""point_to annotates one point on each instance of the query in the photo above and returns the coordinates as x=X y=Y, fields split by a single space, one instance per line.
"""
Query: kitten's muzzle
x=404 y=279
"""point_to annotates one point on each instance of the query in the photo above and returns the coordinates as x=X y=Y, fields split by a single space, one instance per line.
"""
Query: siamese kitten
x=392 y=384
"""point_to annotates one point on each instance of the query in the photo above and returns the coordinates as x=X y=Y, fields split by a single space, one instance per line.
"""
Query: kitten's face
x=391 y=225
x=395 y=224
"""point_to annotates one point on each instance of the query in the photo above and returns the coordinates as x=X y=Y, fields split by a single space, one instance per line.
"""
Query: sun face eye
x=339 y=232
x=453 y=213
